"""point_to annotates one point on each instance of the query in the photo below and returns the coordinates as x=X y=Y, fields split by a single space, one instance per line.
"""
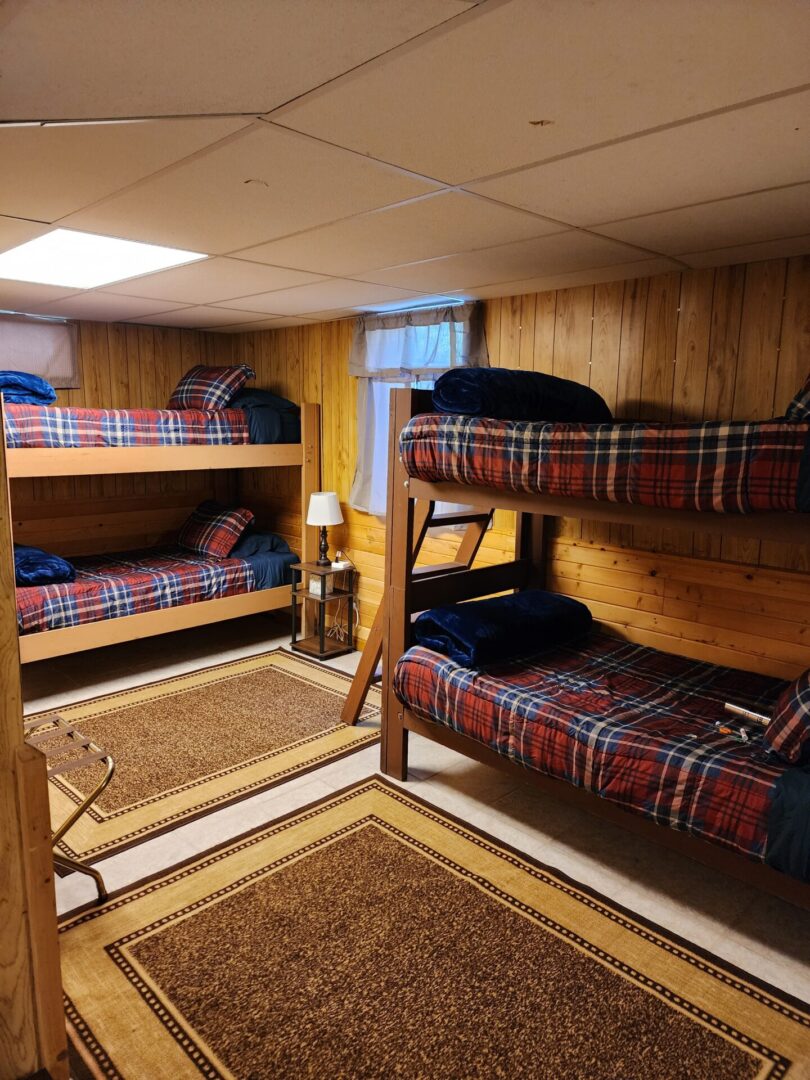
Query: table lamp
x=324 y=509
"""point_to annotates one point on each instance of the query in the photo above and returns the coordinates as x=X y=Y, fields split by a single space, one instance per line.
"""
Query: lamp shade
x=324 y=509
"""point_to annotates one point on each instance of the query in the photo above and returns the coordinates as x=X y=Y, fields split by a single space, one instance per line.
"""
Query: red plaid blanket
x=55 y=427
x=629 y=723
x=717 y=467
x=108 y=586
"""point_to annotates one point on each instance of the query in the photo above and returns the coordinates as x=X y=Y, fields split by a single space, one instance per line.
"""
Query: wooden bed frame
x=405 y=594
x=95 y=461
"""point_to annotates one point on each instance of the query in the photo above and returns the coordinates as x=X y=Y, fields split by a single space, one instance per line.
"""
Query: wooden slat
x=103 y=460
x=130 y=627
x=788 y=527
x=467 y=584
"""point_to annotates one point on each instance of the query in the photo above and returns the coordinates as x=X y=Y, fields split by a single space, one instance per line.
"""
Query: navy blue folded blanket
x=271 y=419
x=505 y=394
x=502 y=628
x=22 y=388
x=32 y=566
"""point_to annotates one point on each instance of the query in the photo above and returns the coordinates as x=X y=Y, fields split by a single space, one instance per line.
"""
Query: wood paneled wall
x=121 y=366
x=705 y=344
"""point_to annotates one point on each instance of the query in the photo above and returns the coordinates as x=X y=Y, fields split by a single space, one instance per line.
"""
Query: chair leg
x=73 y=864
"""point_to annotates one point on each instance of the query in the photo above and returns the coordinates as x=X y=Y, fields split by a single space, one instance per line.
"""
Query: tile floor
x=762 y=935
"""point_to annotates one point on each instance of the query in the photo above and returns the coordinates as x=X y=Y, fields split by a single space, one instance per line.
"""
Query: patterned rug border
x=181 y=818
x=708 y=962
x=305 y=660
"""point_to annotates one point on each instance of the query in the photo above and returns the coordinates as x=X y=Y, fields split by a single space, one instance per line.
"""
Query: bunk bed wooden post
x=399 y=543
x=310 y=481
x=310 y=475
x=372 y=650
x=32 y=1024
x=531 y=536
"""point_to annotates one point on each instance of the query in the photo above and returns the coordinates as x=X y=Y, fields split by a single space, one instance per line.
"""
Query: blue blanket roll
x=32 y=566
x=22 y=388
x=505 y=394
x=502 y=628
x=271 y=419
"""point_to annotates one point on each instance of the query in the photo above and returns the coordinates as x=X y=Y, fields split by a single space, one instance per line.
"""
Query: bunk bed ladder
x=425 y=517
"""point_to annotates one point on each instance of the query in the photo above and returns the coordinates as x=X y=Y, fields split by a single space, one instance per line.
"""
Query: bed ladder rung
x=460 y=517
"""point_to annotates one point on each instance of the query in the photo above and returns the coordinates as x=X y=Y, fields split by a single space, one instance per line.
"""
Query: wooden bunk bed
x=410 y=503
x=111 y=460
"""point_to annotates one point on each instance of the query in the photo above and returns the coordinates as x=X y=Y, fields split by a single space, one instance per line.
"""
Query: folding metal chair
x=67 y=749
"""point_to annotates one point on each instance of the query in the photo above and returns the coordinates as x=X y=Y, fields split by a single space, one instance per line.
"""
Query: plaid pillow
x=799 y=408
x=214 y=530
x=788 y=733
x=210 y=387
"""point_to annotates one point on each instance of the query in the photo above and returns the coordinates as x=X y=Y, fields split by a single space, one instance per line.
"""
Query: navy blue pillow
x=32 y=566
x=254 y=542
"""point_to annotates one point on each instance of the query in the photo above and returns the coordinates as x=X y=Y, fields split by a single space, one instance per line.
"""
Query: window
x=407 y=349
x=45 y=347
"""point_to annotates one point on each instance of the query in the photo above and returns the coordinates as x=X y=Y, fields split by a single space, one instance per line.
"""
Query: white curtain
x=406 y=349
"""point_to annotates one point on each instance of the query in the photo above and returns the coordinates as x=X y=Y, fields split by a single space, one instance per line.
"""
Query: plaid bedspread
x=720 y=467
x=109 y=586
x=630 y=723
x=55 y=427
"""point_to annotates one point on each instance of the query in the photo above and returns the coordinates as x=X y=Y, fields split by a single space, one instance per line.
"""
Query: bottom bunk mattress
x=634 y=726
x=133 y=582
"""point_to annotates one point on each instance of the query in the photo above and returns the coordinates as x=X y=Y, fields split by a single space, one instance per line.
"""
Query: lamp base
x=323 y=551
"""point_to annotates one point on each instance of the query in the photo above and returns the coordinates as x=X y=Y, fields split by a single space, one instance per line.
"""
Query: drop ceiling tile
x=107 y=308
x=767 y=249
x=153 y=58
x=762 y=146
x=441 y=224
x=14 y=232
x=324 y=296
x=642 y=268
x=335 y=314
x=47 y=172
x=558 y=254
x=747 y=219
x=211 y=281
x=263 y=184
x=200 y=317
x=466 y=103
x=24 y=296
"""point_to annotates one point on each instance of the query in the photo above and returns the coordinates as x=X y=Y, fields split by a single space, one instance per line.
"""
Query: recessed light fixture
x=80 y=260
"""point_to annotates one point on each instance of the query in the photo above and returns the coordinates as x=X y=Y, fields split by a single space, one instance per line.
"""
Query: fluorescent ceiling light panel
x=83 y=260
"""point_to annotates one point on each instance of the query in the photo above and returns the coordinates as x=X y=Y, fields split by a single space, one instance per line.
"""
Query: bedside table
x=314 y=584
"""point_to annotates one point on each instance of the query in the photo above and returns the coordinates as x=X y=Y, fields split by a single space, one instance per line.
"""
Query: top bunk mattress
x=58 y=427
x=720 y=467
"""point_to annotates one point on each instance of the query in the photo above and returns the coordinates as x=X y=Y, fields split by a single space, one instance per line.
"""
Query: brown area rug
x=372 y=935
x=194 y=743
